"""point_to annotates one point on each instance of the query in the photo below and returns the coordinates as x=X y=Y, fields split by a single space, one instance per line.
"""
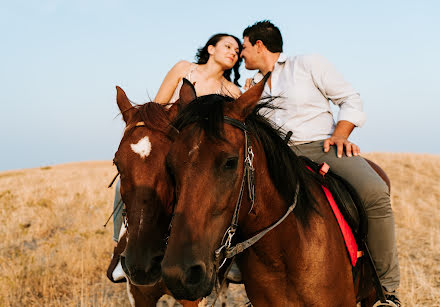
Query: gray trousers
x=375 y=197
x=117 y=215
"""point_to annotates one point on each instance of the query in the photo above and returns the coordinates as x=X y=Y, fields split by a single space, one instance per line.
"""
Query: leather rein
x=226 y=250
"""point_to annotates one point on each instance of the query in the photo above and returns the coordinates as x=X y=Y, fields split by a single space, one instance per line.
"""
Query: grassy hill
x=54 y=249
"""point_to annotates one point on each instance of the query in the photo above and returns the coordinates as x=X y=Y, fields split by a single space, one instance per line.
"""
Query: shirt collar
x=281 y=60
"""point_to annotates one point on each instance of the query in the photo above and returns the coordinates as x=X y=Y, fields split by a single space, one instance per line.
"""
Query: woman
x=210 y=75
x=212 y=72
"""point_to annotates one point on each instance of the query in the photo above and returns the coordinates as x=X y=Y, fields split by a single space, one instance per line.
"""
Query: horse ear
x=124 y=104
x=244 y=105
x=187 y=93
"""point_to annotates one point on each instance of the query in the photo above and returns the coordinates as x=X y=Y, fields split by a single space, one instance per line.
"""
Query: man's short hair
x=266 y=32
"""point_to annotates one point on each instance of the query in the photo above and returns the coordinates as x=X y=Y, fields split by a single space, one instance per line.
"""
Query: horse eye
x=231 y=163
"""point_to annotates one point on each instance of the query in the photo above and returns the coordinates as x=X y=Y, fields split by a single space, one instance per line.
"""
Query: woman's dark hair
x=266 y=32
x=202 y=55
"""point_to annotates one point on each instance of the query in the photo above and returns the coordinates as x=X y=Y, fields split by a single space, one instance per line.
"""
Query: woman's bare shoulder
x=181 y=68
x=232 y=89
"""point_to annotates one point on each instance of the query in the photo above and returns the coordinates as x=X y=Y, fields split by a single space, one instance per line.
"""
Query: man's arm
x=333 y=87
x=339 y=138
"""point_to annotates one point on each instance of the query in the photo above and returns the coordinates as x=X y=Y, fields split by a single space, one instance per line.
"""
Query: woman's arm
x=170 y=82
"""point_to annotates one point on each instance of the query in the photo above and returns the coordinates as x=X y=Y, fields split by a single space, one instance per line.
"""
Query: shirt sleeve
x=333 y=86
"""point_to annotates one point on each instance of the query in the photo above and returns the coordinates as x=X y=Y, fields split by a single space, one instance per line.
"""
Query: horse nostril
x=194 y=274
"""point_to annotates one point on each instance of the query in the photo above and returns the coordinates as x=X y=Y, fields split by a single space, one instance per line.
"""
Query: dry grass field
x=54 y=249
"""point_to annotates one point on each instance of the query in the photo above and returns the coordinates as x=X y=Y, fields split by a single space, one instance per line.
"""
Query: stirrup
x=387 y=303
x=391 y=300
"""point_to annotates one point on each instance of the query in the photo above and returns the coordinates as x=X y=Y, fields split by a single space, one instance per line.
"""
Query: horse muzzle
x=189 y=282
x=146 y=274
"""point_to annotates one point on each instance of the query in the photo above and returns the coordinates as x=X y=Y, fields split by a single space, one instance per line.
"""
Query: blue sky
x=60 y=62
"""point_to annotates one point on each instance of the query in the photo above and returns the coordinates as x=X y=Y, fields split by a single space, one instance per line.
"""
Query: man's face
x=249 y=54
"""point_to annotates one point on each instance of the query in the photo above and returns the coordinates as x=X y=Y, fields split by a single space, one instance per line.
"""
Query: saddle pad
x=347 y=233
x=350 y=242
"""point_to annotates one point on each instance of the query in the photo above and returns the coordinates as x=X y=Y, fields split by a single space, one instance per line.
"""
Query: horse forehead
x=142 y=147
x=200 y=146
x=195 y=148
x=187 y=145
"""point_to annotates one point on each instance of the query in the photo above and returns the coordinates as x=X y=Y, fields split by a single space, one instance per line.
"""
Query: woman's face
x=225 y=52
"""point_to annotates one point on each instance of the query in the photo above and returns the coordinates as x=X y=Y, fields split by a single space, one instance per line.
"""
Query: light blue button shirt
x=305 y=84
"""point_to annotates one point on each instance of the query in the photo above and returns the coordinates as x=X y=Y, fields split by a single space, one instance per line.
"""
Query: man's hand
x=340 y=139
x=248 y=84
x=341 y=142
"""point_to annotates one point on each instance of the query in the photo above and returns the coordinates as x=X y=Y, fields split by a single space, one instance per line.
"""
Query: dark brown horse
x=147 y=192
x=222 y=146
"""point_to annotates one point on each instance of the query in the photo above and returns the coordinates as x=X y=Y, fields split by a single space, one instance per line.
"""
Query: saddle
x=345 y=196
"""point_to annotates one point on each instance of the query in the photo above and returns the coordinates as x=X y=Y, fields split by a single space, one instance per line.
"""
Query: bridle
x=121 y=203
x=226 y=250
x=249 y=173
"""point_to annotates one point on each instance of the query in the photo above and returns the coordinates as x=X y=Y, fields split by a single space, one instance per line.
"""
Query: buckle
x=324 y=169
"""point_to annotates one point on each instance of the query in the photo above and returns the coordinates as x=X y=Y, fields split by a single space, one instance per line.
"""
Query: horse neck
x=282 y=258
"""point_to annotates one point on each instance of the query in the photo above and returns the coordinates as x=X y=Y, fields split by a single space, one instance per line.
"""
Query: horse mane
x=286 y=169
x=154 y=115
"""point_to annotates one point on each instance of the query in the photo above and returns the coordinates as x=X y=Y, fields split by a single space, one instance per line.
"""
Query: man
x=305 y=84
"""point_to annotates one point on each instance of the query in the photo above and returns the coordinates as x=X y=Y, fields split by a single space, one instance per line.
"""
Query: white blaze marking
x=143 y=147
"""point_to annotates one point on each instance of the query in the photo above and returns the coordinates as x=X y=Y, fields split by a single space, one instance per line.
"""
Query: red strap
x=350 y=242
x=347 y=233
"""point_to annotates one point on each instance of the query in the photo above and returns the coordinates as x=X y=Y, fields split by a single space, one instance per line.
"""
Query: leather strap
x=240 y=247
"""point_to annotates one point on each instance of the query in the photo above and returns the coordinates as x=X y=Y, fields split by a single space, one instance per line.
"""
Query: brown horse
x=147 y=192
x=223 y=147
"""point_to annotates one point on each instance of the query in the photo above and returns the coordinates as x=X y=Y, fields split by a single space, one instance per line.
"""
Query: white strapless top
x=221 y=91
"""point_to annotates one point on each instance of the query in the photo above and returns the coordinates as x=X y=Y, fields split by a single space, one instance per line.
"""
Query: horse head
x=206 y=162
x=146 y=188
